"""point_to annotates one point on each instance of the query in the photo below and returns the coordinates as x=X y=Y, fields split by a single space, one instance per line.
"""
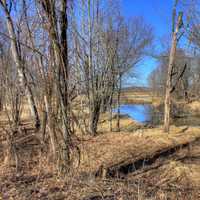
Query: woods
x=64 y=66
x=57 y=60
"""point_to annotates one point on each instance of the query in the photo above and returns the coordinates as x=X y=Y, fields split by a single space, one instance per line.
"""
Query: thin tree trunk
x=1 y=103
x=20 y=68
x=92 y=126
x=51 y=126
x=110 y=114
x=118 y=103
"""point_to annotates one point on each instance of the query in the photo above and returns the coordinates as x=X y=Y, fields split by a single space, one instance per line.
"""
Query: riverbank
x=136 y=97
x=146 y=97
x=147 y=164
x=191 y=108
x=126 y=123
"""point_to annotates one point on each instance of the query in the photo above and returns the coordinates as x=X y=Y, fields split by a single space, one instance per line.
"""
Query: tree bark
x=58 y=38
x=94 y=117
x=167 y=102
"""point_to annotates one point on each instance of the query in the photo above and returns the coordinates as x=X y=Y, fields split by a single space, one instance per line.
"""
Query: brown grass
x=194 y=107
x=177 y=177
x=113 y=148
x=131 y=97
x=125 y=123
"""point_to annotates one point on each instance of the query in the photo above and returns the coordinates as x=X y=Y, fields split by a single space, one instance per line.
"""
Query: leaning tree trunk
x=169 y=75
x=20 y=68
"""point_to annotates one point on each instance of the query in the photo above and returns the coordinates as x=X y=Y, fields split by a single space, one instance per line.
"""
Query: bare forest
x=71 y=128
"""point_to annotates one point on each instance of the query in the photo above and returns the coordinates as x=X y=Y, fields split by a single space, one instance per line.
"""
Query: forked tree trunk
x=58 y=38
x=167 y=102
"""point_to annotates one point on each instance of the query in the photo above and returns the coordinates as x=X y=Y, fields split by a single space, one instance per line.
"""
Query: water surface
x=148 y=114
x=138 y=112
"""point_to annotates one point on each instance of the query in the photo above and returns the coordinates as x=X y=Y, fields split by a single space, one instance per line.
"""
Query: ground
x=166 y=167
x=139 y=163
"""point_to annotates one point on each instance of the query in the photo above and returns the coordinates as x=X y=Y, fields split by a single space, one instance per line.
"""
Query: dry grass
x=170 y=181
x=174 y=179
x=125 y=123
x=194 y=107
x=113 y=148
x=136 y=97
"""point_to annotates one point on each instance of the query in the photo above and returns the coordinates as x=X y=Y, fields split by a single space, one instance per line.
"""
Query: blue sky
x=157 y=13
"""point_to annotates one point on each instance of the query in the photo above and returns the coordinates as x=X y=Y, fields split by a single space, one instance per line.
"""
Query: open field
x=136 y=96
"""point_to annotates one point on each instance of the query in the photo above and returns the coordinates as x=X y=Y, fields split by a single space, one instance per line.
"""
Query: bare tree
x=180 y=79
x=175 y=30
x=56 y=17
x=15 y=49
x=107 y=47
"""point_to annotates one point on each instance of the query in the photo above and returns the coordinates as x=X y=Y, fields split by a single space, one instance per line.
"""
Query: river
x=148 y=114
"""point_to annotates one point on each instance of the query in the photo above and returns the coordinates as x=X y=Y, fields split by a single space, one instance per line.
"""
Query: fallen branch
x=133 y=158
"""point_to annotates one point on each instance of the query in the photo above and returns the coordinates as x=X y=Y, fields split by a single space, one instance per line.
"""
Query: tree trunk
x=167 y=102
x=20 y=68
x=58 y=37
x=94 y=118
x=110 y=114
x=1 y=103
x=118 y=103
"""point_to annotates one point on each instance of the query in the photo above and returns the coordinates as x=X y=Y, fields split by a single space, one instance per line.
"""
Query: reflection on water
x=147 y=114
x=138 y=112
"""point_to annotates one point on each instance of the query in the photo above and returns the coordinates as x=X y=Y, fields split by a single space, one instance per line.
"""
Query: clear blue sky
x=158 y=14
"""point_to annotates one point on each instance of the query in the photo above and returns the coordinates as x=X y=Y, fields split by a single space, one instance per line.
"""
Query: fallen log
x=137 y=160
x=126 y=151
